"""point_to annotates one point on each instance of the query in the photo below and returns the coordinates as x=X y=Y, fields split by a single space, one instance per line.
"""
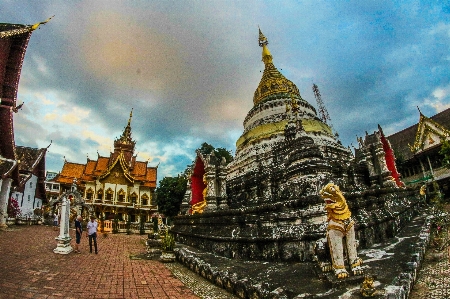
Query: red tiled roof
x=151 y=177
x=70 y=171
x=102 y=165
x=139 y=169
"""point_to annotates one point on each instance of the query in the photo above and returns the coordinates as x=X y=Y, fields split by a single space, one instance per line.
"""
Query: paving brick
x=30 y=269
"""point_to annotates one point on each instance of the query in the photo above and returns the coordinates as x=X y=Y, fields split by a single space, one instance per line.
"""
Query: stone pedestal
x=63 y=246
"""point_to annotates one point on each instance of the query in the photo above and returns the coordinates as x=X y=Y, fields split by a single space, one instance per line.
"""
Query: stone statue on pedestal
x=340 y=232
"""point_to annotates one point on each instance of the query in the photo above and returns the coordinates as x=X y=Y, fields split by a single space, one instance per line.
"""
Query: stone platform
x=393 y=264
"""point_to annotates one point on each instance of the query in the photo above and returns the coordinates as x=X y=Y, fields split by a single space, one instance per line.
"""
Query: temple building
x=417 y=149
x=13 y=44
x=30 y=192
x=118 y=186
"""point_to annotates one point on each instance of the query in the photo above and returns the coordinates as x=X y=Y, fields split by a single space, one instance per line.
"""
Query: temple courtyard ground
x=30 y=269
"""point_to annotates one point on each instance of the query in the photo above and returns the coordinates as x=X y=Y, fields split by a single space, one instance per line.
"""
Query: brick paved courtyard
x=30 y=269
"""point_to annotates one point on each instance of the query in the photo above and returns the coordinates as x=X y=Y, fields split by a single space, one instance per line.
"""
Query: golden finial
x=36 y=26
x=262 y=39
x=263 y=42
x=131 y=115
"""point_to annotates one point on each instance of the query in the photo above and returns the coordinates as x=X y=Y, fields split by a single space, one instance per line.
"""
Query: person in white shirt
x=92 y=233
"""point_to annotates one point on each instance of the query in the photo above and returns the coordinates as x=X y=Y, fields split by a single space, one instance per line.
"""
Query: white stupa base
x=63 y=246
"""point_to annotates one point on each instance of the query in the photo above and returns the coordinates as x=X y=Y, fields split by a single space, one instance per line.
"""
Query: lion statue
x=340 y=231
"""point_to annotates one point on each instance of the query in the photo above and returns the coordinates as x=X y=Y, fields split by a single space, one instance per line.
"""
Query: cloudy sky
x=189 y=70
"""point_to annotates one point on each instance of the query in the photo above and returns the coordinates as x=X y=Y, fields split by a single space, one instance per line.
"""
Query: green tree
x=169 y=195
x=445 y=152
x=218 y=152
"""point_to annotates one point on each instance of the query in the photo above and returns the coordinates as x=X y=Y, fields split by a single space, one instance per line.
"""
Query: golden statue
x=340 y=228
x=367 y=289
x=200 y=206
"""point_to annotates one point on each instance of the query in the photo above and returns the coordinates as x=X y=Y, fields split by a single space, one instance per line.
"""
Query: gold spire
x=126 y=135
x=263 y=42
x=272 y=81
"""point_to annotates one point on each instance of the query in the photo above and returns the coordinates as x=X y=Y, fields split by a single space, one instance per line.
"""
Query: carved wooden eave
x=123 y=164
x=429 y=134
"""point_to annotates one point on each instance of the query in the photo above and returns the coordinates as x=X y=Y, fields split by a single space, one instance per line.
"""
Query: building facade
x=30 y=192
x=118 y=187
x=417 y=151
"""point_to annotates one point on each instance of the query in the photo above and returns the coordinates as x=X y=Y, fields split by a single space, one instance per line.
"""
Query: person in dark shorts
x=78 y=232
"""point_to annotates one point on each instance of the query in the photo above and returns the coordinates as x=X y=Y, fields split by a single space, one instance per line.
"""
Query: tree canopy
x=169 y=195
x=445 y=152
x=218 y=152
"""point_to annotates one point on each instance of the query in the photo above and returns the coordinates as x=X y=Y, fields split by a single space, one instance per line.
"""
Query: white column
x=5 y=186
x=64 y=238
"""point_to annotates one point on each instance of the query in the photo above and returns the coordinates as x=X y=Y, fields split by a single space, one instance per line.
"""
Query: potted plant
x=167 y=245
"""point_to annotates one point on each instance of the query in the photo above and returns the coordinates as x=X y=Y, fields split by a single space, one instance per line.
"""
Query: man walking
x=92 y=233
x=78 y=232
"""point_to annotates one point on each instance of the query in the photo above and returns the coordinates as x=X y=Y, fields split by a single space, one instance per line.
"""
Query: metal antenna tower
x=323 y=113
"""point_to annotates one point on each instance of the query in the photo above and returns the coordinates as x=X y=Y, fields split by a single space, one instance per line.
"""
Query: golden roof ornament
x=272 y=83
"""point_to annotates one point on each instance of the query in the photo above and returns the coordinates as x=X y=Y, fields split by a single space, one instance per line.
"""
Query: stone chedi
x=272 y=209
x=285 y=149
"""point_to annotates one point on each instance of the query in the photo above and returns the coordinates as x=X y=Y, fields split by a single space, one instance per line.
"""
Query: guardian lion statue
x=340 y=232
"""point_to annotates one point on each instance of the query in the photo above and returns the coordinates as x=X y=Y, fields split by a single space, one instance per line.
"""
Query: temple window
x=109 y=194
x=100 y=194
x=144 y=199
x=133 y=198
x=121 y=196
x=89 y=194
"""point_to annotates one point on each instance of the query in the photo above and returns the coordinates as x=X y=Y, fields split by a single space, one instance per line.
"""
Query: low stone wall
x=241 y=284
x=287 y=231
x=402 y=285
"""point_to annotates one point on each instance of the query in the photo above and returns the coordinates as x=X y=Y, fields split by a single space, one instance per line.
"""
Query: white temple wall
x=27 y=200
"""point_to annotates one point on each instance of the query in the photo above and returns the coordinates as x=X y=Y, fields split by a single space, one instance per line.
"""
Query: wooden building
x=417 y=151
x=118 y=186
x=30 y=192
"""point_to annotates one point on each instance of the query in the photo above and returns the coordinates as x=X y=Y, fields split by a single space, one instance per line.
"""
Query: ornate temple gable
x=29 y=158
x=121 y=169
x=31 y=161
x=428 y=135
x=403 y=140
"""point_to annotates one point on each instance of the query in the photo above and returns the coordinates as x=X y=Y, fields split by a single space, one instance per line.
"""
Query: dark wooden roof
x=32 y=161
x=399 y=141
x=13 y=43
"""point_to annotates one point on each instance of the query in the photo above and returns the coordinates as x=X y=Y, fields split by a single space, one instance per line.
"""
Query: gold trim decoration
x=261 y=132
x=424 y=130
x=23 y=29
